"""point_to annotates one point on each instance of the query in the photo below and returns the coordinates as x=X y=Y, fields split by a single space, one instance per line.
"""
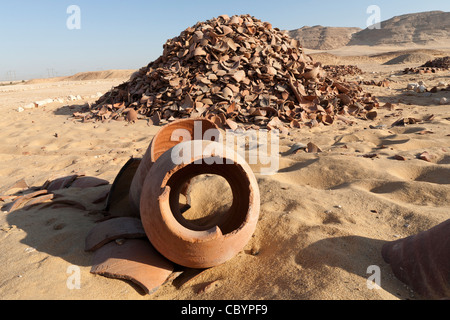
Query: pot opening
x=207 y=199
x=217 y=195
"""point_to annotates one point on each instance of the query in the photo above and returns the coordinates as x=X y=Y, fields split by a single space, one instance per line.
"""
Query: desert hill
x=90 y=75
x=418 y=28
x=323 y=38
x=424 y=28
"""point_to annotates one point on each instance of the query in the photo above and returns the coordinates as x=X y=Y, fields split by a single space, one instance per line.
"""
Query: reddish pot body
x=180 y=240
x=163 y=141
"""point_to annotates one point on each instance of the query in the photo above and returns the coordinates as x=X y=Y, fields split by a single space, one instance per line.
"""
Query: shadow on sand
x=353 y=254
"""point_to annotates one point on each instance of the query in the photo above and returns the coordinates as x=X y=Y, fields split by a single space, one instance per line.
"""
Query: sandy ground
x=324 y=217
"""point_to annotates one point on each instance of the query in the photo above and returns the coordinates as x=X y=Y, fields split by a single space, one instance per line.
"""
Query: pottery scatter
x=337 y=71
x=234 y=70
x=141 y=212
x=23 y=197
x=432 y=66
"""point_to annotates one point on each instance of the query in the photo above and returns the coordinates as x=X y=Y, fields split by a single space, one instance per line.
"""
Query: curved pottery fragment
x=182 y=241
x=150 y=189
x=117 y=202
x=88 y=182
x=22 y=201
x=422 y=261
x=134 y=260
x=112 y=229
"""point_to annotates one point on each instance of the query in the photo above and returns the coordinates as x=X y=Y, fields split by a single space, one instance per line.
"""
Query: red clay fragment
x=312 y=148
x=88 y=182
x=21 y=201
x=39 y=200
x=426 y=157
x=132 y=116
x=3 y=198
x=112 y=229
x=423 y=132
x=422 y=261
x=117 y=202
x=399 y=157
x=101 y=197
x=134 y=260
x=66 y=204
x=60 y=183
x=18 y=186
x=370 y=155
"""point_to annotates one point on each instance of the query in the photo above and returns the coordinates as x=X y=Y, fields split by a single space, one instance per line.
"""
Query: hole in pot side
x=219 y=195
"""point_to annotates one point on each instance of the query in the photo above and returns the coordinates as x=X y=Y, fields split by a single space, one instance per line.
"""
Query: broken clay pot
x=422 y=261
x=166 y=138
x=182 y=241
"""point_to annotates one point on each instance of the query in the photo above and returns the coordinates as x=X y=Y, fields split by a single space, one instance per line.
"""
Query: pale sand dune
x=324 y=217
x=86 y=76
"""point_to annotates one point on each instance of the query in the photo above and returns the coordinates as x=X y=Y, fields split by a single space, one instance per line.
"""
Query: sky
x=35 y=41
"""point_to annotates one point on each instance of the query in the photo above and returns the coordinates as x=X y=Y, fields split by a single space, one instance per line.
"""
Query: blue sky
x=35 y=41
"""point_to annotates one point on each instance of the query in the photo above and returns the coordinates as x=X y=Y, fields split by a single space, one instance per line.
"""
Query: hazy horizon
x=37 y=42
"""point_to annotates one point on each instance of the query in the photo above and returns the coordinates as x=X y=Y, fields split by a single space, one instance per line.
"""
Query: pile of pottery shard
x=432 y=66
x=234 y=71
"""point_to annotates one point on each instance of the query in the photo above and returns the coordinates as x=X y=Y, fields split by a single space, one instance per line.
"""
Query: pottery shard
x=109 y=230
x=312 y=148
x=39 y=200
x=239 y=59
x=61 y=183
x=66 y=203
x=117 y=202
x=23 y=200
x=239 y=75
x=233 y=125
x=199 y=52
x=88 y=182
x=399 y=157
x=372 y=115
x=422 y=261
x=132 y=116
x=426 y=157
x=18 y=186
x=134 y=260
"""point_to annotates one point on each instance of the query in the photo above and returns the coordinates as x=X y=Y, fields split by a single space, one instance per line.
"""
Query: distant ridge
x=416 y=28
x=86 y=76
x=410 y=29
x=323 y=38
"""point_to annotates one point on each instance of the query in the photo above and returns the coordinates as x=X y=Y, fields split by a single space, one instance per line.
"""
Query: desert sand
x=324 y=217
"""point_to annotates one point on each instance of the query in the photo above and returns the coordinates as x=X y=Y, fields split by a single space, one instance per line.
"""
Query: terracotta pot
x=423 y=261
x=163 y=141
x=182 y=241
